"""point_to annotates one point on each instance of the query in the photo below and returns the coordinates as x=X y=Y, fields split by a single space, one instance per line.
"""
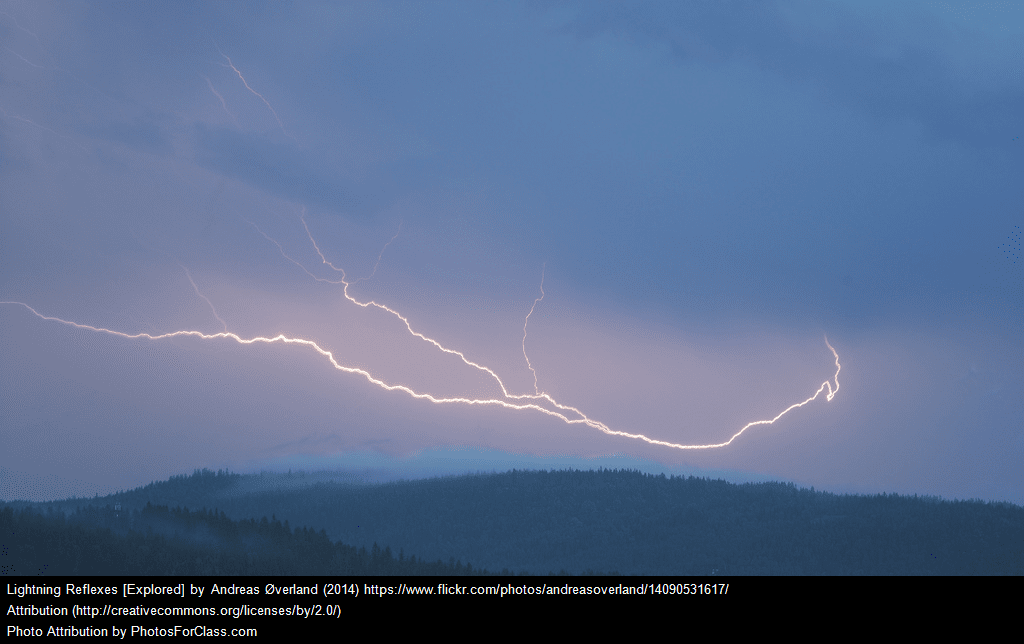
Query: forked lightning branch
x=538 y=401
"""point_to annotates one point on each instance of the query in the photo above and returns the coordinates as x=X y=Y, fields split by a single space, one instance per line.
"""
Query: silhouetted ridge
x=157 y=540
x=607 y=520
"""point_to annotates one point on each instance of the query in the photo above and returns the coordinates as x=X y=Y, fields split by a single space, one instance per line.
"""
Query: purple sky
x=708 y=190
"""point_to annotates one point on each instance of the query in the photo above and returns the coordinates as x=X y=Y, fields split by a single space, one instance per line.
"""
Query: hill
x=617 y=520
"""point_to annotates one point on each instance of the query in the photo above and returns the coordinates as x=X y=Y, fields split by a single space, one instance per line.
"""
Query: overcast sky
x=708 y=190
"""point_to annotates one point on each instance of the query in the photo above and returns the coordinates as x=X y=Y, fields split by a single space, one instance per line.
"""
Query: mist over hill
x=609 y=521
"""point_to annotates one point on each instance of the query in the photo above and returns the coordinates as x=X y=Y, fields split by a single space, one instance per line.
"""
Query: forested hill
x=159 y=541
x=620 y=520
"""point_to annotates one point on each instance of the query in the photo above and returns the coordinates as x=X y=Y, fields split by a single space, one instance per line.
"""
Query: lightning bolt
x=292 y=259
x=223 y=103
x=15 y=117
x=18 y=25
x=345 y=283
x=535 y=302
x=379 y=257
x=539 y=401
x=196 y=288
x=564 y=411
x=248 y=87
x=25 y=60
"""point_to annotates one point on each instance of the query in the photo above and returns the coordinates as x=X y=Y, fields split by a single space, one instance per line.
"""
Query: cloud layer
x=707 y=188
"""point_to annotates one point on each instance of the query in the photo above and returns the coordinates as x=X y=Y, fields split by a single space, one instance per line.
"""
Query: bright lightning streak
x=302 y=341
x=535 y=302
x=424 y=396
x=196 y=288
x=568 y=414
x=344 y=281
x=831 y=393
x=537 y=401
x=582 y=418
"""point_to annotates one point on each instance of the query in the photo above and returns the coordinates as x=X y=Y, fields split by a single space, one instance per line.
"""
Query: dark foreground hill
x=159 y=541
x=620 y=520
